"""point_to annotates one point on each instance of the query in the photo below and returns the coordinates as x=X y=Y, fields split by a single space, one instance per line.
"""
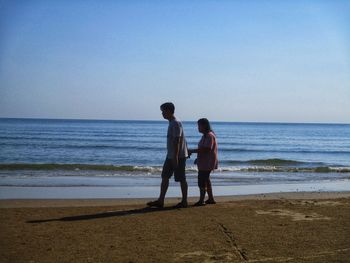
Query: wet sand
x=290 y=227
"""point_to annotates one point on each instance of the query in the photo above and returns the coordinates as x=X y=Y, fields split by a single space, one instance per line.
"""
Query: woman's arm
x=205 y=147
x=190 y=151
x=199 y=150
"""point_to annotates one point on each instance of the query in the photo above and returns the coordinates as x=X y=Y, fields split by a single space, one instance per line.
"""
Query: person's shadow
x=144 y=210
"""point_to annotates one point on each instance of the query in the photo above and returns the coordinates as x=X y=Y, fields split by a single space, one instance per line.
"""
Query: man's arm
x=177 y=141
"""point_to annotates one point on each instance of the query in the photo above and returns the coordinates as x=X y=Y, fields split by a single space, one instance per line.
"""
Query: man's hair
x=168 y=106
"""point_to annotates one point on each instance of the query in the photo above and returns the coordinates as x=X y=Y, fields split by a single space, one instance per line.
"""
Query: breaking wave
x=267 y=165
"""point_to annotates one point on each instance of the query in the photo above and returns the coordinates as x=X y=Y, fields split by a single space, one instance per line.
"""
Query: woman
x=207 y=160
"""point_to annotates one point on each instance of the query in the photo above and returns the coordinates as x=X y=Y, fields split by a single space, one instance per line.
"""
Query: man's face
x=166 y=114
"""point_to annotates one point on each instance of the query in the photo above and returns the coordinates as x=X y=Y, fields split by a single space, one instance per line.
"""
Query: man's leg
x=180 y=176
x=166 y=173
x=163 y=189
x=184 y=190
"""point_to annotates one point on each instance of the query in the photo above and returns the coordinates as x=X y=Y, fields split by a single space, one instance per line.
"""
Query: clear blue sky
x=285 y=61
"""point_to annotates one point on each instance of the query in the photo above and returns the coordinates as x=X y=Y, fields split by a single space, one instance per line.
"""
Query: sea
x=64 y=158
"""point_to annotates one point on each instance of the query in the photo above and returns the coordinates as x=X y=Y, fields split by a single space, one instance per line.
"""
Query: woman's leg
x=201 y=185
x=202 y=195
x=209 y=191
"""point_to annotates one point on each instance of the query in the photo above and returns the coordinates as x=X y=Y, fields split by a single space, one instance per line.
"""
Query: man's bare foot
x=155 y=203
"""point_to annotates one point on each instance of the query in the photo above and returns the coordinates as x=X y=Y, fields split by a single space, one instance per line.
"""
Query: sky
x=254 y=61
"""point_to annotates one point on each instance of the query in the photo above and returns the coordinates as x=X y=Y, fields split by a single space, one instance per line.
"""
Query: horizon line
x=159 y=120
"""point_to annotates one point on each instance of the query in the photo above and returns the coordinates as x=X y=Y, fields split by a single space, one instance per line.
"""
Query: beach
x=283 y=227
x=111 y=109
x=75 y=191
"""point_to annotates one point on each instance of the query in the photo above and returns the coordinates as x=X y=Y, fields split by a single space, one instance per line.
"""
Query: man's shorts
x=179 y=171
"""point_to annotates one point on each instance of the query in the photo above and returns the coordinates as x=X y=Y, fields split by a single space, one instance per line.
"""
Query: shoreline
x=151 y=192
x=103 y=202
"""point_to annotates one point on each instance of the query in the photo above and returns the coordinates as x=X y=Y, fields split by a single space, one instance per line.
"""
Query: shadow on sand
x=144 y=210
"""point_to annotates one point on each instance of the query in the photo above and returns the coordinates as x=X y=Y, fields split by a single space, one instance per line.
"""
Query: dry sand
x=290 y=227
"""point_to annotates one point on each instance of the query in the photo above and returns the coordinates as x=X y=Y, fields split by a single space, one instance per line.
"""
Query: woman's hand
x=191 y=151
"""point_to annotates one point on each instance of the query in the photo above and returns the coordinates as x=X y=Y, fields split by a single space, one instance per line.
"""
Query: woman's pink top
x=208 y=161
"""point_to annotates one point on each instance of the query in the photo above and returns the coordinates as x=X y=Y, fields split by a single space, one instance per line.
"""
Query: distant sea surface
x=64 y=153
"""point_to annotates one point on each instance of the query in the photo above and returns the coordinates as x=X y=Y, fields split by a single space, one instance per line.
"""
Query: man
x=175 y=161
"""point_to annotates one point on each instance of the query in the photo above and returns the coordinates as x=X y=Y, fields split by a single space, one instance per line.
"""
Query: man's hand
x=189 y=152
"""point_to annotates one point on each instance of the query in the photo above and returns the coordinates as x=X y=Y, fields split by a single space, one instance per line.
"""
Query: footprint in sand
x=296 y=216
x=205 y=257
x=318 y=203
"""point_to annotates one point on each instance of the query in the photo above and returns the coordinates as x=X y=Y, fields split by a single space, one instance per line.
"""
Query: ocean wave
x=282 y=151
x=273 y=162
x=18 y=140
x=268 y=165
x=276 y=169
x=79 y=167
x=85 y=146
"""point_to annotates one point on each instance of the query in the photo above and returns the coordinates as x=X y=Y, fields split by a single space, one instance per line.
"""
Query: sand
x=290 y=227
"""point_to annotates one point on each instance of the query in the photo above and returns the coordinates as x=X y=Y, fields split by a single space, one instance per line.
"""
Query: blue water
x=45 y=152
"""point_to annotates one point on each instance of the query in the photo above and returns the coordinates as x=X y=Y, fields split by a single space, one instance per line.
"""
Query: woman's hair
x=206 y=124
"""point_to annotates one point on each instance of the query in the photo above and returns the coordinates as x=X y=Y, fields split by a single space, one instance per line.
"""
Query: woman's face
x=201 y=128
